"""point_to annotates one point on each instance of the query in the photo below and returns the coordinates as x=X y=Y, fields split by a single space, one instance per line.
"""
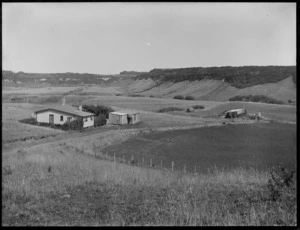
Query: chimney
x=80 y=107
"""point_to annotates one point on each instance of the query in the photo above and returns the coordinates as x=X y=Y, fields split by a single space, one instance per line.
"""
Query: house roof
x=124 y=112
x=67 y=109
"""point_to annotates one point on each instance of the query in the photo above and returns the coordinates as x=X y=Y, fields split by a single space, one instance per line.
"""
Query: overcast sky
x=107 y=38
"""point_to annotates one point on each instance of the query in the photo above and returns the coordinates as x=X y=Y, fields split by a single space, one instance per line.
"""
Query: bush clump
x=101 y=112
x=98 y=109
x=169 y=109
x=179 y=97
x=198 y=107
x=72 y=125
x=100 y=120
x=256 y=98
x=31 y=121
x=189 y=98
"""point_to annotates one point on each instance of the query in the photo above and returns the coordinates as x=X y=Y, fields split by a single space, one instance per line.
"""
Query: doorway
x=51 y=118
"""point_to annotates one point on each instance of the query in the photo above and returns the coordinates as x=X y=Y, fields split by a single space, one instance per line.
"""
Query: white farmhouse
x=62 y=114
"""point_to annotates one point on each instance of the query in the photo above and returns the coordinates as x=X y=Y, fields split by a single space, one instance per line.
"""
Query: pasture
x=65 y=179
x=13 y=130
x=260 y=145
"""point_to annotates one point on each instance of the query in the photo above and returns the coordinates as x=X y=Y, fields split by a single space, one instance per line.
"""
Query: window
x=61 y=118
x=85 y=119
x=91 y=118
x=69 y=119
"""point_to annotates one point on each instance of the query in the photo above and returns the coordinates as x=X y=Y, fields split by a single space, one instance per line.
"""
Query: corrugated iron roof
x=124 y=112
x=67 y=109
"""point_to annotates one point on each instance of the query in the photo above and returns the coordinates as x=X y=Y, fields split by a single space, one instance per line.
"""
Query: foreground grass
x=79 y=190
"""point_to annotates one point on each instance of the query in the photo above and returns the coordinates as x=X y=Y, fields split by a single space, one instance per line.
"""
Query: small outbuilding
x=123 y=117
x=235 y=113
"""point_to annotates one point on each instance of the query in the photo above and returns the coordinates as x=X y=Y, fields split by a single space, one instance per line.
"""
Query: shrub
x=198 y=107
x=100 y=120
x=97 y=110
x=189 y=98
x=169 y=109
x=282 y=183
x=151 y=96
x=180 y=97
x=31 y=121
x=73 y=125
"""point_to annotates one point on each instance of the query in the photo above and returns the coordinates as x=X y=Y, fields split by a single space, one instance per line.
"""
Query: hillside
x=213 y=83
x=210 y=90
x=239 y=77
x=10 y=78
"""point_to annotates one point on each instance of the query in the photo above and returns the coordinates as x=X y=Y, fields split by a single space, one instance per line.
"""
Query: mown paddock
x=260 y=146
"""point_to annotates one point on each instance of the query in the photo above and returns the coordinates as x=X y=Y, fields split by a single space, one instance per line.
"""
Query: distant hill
x=131 y=73
x=10 y=78
x=239 y=77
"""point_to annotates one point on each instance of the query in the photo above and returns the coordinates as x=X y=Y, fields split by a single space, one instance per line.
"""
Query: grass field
x=82 y=190
x=257 y=145
x=63 y=178
x=13 y=130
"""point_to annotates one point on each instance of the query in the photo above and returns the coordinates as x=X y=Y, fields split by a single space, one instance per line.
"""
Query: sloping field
x=146 y=104
x=213 y=89
x=44 y=90
x=12 y=130
x=231 y=146
x=212 y=108
x=98 y=90
x=275 y=112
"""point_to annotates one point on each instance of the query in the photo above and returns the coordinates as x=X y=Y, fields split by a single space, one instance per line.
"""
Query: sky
x=107 y=38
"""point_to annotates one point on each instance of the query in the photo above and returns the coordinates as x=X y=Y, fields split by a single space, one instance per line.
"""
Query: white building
x=235 y=113
x=62 y=114
x=123 y=117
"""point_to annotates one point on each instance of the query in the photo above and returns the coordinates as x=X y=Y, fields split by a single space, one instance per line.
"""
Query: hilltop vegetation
x=239 y=77
x=131 y=73
x=56 y=79
x=256 y=98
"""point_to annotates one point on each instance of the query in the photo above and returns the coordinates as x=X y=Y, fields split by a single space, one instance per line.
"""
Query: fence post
x=131 y=157
x=143 y=161
x=161 y=164
x=184 y=168
x=105 y=156
x=195 y=169
x=123 y=159
x=114 y=157
x=150 y=162
x=172 y=165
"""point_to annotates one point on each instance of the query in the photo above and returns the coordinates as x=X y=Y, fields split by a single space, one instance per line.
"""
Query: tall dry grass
x=83 y=190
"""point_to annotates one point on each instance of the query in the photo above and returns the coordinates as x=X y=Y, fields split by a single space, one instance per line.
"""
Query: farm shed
x=234 y=113
x=62 y=114
x=123 y=117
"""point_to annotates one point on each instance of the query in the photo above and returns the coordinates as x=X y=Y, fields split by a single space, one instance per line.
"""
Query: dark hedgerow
x=31 y=121
x=256 y=98
x=169 y=109
x=180 y=97
x=198 y=107
x=189 y=98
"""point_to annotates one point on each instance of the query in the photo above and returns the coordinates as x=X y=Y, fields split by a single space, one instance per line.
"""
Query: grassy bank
x=61 y=187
